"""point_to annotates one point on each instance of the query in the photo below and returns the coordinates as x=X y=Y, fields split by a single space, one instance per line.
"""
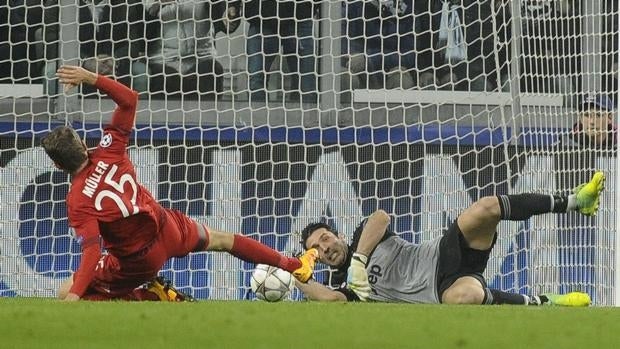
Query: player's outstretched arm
x=318 y=292
x=125 y=98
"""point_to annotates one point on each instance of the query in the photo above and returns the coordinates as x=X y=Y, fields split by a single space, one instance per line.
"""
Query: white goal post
x=328 y=115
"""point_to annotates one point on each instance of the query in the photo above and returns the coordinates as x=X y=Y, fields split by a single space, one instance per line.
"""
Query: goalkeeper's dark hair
x=310 y=228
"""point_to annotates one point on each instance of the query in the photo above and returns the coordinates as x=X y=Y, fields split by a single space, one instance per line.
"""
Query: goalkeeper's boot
x=308 y=260
x=166 y=292
x=537 y=300
x=587 y=194
x=571 y=299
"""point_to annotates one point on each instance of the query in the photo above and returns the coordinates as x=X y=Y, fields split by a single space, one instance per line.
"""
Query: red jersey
x=106 y=199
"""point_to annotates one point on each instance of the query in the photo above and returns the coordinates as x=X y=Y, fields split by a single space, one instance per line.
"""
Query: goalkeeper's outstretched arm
x=317 y=292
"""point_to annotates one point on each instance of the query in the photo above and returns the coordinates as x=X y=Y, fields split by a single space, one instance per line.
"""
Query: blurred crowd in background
x=168 y=47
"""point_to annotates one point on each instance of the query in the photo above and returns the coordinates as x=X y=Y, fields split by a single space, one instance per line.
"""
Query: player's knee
x=463 y=294
x=487 y=207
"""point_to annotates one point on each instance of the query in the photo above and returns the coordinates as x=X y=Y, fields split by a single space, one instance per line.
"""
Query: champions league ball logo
x=106 y=140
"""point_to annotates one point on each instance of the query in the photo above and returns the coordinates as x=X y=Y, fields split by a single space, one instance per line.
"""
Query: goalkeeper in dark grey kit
x=380 y=266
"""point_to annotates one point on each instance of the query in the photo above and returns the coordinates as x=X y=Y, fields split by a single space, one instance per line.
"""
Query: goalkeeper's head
x=66 y=149
x=333 y=249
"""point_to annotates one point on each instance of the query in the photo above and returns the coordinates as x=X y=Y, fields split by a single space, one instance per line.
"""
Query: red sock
x=253 y=251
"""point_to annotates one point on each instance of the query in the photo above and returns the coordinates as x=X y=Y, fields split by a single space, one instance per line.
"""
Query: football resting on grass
x=271 y=284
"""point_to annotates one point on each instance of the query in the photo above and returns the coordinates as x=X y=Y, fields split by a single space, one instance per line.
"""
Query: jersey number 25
x=119 y=192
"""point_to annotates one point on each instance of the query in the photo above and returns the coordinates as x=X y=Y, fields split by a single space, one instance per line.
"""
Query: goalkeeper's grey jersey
x=400 y=271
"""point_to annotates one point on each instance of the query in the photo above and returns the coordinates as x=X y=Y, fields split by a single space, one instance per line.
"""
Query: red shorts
x=117 y=277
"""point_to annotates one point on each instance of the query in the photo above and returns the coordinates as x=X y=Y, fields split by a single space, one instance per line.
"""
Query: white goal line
x=453 y=97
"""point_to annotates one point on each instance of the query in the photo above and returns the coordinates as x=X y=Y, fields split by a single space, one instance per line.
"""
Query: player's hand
x=72 y=76
x=71 y=297
x=357 y=277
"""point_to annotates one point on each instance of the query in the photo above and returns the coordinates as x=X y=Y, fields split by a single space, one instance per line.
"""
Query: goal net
x=305 y=111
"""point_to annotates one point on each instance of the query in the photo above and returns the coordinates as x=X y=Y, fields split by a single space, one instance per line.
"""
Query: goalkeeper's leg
x=479 y=221
x=493 y=296
x=571 y=299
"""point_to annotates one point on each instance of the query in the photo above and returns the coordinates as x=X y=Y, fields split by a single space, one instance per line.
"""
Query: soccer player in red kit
x=106 y=204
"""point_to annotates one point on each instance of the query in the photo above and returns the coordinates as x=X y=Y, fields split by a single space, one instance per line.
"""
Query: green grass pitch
x=46 y=323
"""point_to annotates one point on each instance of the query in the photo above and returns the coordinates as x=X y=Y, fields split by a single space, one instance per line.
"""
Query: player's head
x=332 y=248
x=64 y=146
x=596 y=118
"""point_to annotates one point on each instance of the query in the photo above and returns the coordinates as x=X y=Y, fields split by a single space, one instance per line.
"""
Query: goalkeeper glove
x=357 y=278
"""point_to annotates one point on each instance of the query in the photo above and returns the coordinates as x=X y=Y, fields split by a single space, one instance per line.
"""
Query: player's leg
x=571 y=299
x=493 y=296
x=122 y=278
x=459 y=273
x=254 y=251
x=184 y=235
x=478 y=222
x=470 y=290
x=465 y=290
x=460 y=268
x=135 y=277
x=160 y=289
x=466 y=246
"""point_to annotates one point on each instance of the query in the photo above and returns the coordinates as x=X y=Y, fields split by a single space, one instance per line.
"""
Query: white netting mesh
x=313 y=110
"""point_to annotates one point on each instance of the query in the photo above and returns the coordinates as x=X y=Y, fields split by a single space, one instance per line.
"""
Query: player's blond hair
x=64 y=146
